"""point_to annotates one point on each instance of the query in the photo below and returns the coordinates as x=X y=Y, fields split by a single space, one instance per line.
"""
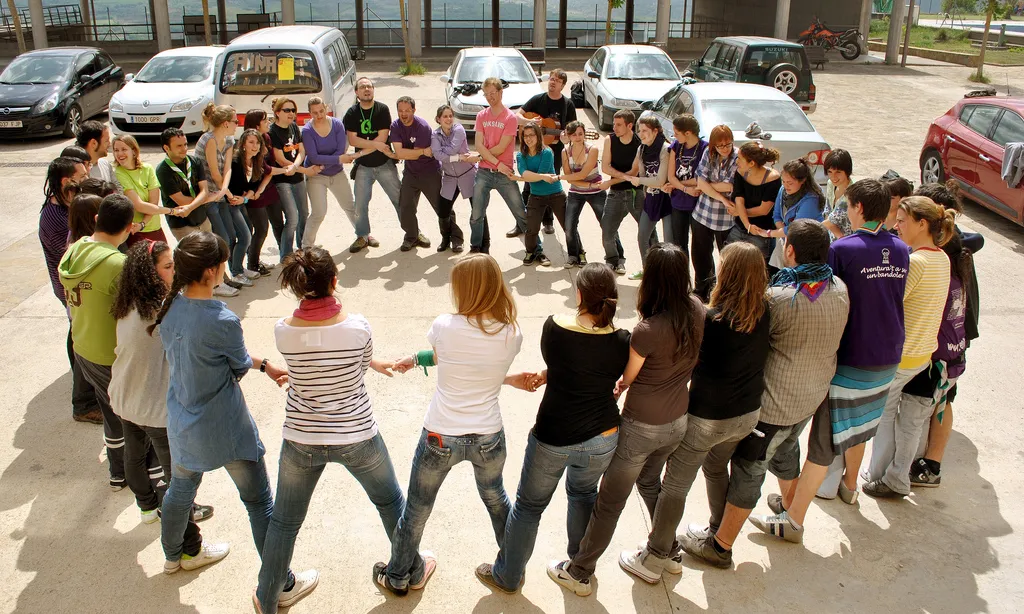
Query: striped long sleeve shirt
x=53 y=237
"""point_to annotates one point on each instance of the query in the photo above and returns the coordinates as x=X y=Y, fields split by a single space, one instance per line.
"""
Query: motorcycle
x=819 y=35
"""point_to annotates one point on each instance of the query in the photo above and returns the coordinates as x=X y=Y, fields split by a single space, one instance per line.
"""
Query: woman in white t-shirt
x=328 y=415
x=473 y=350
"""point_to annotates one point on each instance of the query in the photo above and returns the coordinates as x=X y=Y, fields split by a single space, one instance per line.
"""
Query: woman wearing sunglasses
x=288 y=153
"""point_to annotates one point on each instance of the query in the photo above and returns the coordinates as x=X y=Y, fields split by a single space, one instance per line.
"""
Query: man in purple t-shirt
x=410 y=136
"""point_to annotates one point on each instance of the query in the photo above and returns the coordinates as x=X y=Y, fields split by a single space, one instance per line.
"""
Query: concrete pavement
x=69 y=545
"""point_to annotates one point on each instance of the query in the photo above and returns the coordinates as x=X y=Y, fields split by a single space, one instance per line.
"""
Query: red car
x=967 y=144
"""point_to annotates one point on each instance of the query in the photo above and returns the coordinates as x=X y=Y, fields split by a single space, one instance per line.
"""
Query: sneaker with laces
x=696 y=531
x=558 y=573
x=779 y=525
x=571 y=262
x=543 y=260
x=358 y=245
x=201 y=512
x=372 y=242
x=673 y=565
x=620 y=269
x=252 y=274
x=209 y=553
x=380 y=578
x=583 y=259
x=93 y=416
x=775 y=503
x=880 y=490
x=305 y=582
x=407 y=245
x=922 y=476
x=225 y=290
x=149 y=516
x=632 y=561
x=242 y=280
x=231 y=282
x=704 y=550
x=422 y=241
x=549 y=229
x=485 y=573
x=530 y=259
x=117 y=484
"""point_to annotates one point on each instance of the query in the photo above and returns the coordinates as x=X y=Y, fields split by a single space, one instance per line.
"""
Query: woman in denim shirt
x=208 y=423
x=799 y=198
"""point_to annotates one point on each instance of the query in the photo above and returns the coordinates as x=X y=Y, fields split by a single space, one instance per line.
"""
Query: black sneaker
x=380 y=578
x=457 y=247
x=530 y=259
x=263 y=270
x=232 y=284
x=515 y=232
x=922 y=476
x=543 y=260
x=704 y=549
x=549 y=229
x=880 y=490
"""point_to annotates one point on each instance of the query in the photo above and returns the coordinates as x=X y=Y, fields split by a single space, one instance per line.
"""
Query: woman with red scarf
x=328 y=416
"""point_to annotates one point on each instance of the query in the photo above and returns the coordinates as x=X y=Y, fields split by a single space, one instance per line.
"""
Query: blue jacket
x=806 y=208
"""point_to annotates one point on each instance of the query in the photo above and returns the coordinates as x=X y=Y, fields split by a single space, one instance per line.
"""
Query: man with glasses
x=368 y=124
x=549 y=105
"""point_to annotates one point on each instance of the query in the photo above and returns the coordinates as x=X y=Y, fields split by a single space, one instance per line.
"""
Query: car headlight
x=624 y=104
x=48 y=104
x=116 y=106
x=186 y=105
x=467 y=108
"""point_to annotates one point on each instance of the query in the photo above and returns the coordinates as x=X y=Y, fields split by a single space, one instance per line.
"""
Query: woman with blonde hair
x=925 y=227
x=711 y=218
x=473 y=349
x=141 y=187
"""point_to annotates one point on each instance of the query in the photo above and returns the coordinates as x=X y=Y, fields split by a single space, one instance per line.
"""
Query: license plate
x=10 y=124
x=145 y=119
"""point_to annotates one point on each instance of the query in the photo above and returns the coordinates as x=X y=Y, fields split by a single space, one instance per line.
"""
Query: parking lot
x=68 y=544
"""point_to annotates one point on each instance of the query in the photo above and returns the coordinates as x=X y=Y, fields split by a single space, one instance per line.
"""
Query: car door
x=348 y=67
x=718 y=70
x=592 y=83
x=705 y=62
x=90 y=90
x=336 y=74
x=962 y=143
x=109 y=74
x=1008 y=201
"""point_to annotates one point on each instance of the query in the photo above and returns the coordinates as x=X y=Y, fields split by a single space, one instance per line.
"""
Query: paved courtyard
x=67 y=544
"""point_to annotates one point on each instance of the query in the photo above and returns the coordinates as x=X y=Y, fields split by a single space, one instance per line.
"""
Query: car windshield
x=512 y=69
x=771 y=115
x=37 y=69
x=176 y=69
x=270 y=72
x=641 y=66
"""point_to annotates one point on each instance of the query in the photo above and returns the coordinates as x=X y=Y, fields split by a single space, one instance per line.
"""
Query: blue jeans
x=619 y=204
x=235 y=232
x=300 y=469
x=296 y=209
x=216 y=221
x=430 y=465
x=487 y=180
x=543 y=466
x=573 y=208
x=387 y=176
x=250 y=478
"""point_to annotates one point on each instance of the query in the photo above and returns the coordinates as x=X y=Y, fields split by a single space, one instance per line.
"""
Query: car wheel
x=850 y=50
x=601 y=122
x=784 y=78
x=72 y=123
x=931 y=168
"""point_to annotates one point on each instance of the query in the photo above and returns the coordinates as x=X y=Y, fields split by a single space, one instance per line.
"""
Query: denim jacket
x=208 y=422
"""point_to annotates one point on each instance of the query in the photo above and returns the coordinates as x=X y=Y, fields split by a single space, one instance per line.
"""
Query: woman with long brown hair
x=250 y=178
x=473 y=349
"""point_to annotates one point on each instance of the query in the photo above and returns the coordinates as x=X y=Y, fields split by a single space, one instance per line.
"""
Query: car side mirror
x=545 y=77
x=359 y=54
x=444 y=78
x=593 y=74
x=129 y=77
x=86 y=78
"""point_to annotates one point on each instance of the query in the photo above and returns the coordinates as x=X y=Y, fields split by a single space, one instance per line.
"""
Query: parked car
x=624 y=77
x=169 y=92
x=756 y=59
x=967 y=144
x=738 y=105
x=300 y=61
x=474 y=64
x=52 y=91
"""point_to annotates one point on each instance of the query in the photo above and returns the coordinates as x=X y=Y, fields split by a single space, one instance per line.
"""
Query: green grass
x=945 y=39
x=976 y=78
x=411 y=69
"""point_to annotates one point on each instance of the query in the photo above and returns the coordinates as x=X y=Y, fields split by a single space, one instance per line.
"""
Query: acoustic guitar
x=551 y=129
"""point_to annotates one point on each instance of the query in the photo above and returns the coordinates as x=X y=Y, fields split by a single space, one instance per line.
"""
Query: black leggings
x=260 y=224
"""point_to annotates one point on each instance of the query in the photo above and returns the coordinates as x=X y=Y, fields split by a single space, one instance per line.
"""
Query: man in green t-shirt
x=89 y=272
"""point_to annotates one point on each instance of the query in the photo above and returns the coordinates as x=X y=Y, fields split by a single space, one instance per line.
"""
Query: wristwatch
x=263 y=365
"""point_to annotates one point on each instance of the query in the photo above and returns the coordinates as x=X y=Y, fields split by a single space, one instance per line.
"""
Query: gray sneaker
x=879 y=490
x=704 y=550
x=778 y=525
x=775 y=503
x=921 y=475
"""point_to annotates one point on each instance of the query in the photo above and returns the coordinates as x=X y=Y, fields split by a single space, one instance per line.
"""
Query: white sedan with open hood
x=465 y=77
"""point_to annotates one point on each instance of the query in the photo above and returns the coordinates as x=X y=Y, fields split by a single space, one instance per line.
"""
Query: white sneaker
x=673 y=565
x=225 y=290
x=632 y=562
x=305 y=582
x=148 y=517
x=210 y=553
x=251 y=274
x=242 y=280
x=558 y=573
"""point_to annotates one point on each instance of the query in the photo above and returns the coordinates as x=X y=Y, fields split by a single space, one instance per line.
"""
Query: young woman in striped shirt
x=328 y=415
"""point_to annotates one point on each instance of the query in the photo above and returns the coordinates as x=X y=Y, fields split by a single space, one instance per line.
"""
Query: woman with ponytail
x=208 y=423
x=577 y=425
x=925 y=227
x=328 y=414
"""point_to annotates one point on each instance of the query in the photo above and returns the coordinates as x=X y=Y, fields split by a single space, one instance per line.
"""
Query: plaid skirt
x=856 y=400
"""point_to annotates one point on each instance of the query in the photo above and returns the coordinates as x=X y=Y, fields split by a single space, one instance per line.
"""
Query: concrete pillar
x=162 y=24
x=664 y=18
x=865 y=18
x=896 y=22
x=782 y=19
x=540 y=23
x=83 y=6
x=415 y=15
x=35 y=11
x=288 y=12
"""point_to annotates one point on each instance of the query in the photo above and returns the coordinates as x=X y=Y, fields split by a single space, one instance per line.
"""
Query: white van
x=298 y=61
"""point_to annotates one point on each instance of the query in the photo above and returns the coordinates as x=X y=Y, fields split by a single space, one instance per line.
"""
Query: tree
x=206 y=21
x=990 y=7
x=17 y=26
x=405 y=32
x=612 y=4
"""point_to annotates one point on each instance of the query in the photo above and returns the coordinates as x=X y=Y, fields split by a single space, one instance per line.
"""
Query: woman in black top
x=250 y=177
x=754 y=190
x=725 y=401
x=288 y=153
x=577 y=423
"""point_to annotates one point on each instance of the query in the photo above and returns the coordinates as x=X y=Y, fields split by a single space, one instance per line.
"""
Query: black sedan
x=52 y=91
